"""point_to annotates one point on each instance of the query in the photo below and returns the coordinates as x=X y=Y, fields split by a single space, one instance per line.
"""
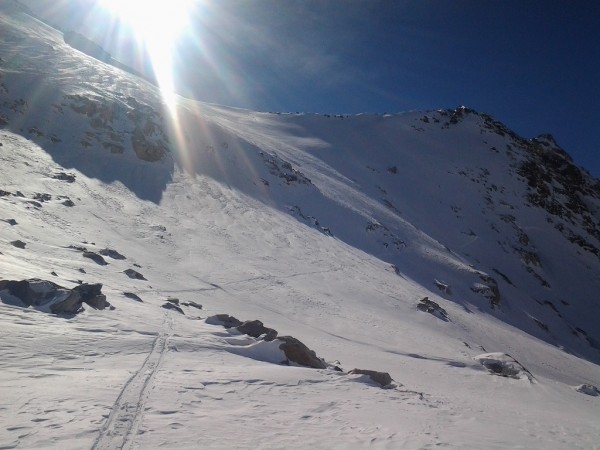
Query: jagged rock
x=92 y=295
x=382 y=378
x=588 y=389
x=4 y=193
x=134 y=274
x=62 y=176
x=255 y=328
x=19 y=244
x=12 y=222
x=173 y=300
x=296 y=352
x=111 y=253
x=223 y=319
x=192 y=304
x=133 y=296
x=173 y=306
x=489 y=289
x=432 y=308
x=95 y=257
x=68 y=202
x=50 y=297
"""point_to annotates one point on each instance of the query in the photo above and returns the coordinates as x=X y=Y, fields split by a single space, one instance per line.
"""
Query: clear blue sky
x=534 y=65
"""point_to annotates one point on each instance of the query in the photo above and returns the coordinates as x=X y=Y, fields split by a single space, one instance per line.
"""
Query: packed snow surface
x=399 y=243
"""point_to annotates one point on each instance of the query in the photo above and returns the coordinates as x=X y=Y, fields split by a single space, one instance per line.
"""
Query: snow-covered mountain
x=342 y=231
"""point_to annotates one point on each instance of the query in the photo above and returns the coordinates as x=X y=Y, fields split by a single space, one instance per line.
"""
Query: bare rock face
x=382 y=378
x=296 y=352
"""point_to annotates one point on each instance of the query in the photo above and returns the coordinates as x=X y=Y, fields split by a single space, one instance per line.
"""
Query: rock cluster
x=50 y=297
x=295 y=351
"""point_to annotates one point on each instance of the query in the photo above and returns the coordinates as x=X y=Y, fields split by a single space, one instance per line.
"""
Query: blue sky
x=533 y=65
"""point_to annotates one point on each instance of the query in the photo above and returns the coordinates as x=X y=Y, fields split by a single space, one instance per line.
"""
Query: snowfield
x=435 y=246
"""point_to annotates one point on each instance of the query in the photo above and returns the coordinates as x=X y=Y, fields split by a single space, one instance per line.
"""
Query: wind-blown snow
x=329 y=229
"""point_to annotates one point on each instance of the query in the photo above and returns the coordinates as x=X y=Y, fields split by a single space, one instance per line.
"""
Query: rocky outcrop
x=50 y=297
x=255 y=328
x=111 y=253
x=298 y=353
x=134 y=274
x=18 y=243
x=432 y=308
x=382 y=378
x=95 y=257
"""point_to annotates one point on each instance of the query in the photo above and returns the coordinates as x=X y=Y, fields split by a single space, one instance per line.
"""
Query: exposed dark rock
x=173 y=300
x=588 y=389
x=489 y=289
x=296 y=352
x=111 y=253
x=68 y=202
x=12 y=222
x=62 y=176
x=92 y=295
x=50 y=297
x=95 y=257
x=133 y=296
x=173 y=307
x=18 y=243
x=42 y=197
x=4 y=193
x=255 y=328
x=382 y=378
x=192 y=304
x=432 y=308
x=223 y=319
x=54 y=273
x=134 y=274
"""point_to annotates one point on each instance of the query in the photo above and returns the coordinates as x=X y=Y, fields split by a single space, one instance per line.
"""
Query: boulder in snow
x=298 y=353
x=382 y=378
x=503 y=365
x=588 y=389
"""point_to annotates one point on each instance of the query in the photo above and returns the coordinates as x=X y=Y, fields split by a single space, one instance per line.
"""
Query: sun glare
x=156 y=25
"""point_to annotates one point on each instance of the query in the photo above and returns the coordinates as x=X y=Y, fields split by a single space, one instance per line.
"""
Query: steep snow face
x=343 y=231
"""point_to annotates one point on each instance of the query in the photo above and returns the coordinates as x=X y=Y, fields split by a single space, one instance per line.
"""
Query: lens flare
x=156 y=26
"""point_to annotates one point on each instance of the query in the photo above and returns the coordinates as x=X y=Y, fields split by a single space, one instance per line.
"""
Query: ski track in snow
x=121 y=426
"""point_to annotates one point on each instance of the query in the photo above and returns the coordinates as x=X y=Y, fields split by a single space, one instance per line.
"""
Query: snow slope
x=329 y=228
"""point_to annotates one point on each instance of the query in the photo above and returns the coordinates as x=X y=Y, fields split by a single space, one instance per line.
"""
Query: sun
x=156 y=25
